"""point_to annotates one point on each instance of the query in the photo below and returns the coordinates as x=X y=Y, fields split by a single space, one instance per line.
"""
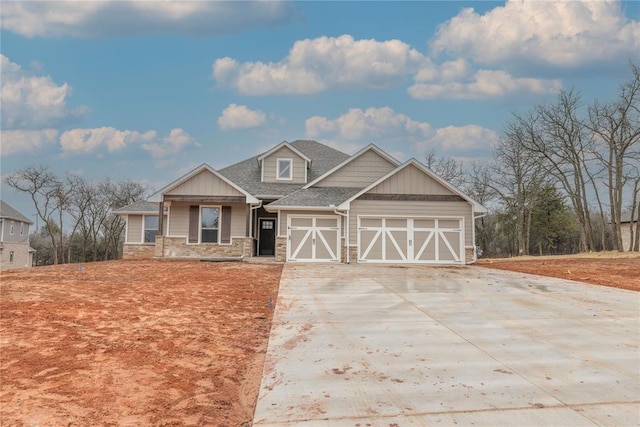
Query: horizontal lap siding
x=361 y=172
x=410 y=209
x=134 y=228
x=271 y=169
x=204 y=184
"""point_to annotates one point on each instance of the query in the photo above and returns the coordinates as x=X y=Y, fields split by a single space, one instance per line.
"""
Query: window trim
x=290 y=161
x=12 y=226
x=22 y=228
x=219 y=207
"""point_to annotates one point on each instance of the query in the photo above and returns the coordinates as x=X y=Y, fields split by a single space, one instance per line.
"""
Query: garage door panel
x=325 y=244
x=396 y=245
x=301 y=222
x=449 y=223
x=371 y=222
x=326 y=223
x=419 y=240
x=301 y=243
x=424 y=245
x=424 y=223
x=313 y=238
x=449 y=246
x=396 y=223
x=371 y=244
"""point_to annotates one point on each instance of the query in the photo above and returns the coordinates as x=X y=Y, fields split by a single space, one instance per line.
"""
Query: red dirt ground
x=618 y=270
x=134 y=343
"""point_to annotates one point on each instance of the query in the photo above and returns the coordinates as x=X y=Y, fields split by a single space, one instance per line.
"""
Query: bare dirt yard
x=615 y=269
x=134 y=342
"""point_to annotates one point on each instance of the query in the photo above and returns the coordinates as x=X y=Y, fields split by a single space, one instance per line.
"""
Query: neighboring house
x=15 y=251
x=625 y=225
x=305 y=201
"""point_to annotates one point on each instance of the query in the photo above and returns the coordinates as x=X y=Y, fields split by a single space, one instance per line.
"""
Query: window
x=22 y=228
x=209 y=224
x=11 y=227
x=284 y=169
x=150 y=228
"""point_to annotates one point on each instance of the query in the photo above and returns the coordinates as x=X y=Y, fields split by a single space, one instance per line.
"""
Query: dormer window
x=284 y=171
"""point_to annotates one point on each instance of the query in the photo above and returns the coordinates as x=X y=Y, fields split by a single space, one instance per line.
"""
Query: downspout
x=258 y=206
x=346 y=240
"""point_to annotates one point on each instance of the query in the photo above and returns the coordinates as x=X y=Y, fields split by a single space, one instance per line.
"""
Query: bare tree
x=44 y=188
x=558 y=138
x=478 y=185
x=518 y=176
x=447 y=168
x=118 y=194
x=616 y=128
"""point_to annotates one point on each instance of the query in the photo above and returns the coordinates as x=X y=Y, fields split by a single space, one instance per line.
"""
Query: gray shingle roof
x=316 y=197
x=138 y=207
x=6 y=211
x=247 y=173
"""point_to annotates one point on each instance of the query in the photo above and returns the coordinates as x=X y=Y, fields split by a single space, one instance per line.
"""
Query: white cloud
x=117 y=18
x=31 y=102
x=89 y=140
x=460 y=139
x=316 y=65
x=483 y=84
x=162 y=149
x=563 y=34
x=372 y=123
x=175 y=142
x=26 y=141
x=240 y=117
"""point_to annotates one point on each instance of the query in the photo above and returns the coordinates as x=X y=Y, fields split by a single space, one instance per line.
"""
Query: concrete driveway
x=355 y=345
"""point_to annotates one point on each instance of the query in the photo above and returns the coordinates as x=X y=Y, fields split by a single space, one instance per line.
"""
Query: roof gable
x=278 y=147
x=364 y=167
x=6 y=211
x=180 y=184
x=414 y=170
x=247 y=173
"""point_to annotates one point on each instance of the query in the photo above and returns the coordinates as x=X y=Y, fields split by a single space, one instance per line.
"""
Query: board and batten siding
x=410 y=180
x=270 y=168
x=361 y=172
x=282 y=231
x=179 y=222
x=410 y=209
x=204 y=183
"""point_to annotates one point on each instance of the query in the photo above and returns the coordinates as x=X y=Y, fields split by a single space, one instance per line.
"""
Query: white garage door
x=313 y=238
x=410 y=240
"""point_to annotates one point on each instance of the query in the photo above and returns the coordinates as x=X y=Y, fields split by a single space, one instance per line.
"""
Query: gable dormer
x=284 y=164
x=359 y=170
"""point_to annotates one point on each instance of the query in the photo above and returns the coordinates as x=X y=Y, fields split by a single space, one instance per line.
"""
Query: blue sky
x=148 y=90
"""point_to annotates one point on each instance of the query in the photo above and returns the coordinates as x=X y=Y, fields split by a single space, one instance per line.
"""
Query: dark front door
x=267 y=238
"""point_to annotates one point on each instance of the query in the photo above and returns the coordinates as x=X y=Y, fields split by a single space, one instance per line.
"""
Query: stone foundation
x=131 y=251
x=469 y=254
x=353 y=255
x=177 y=247
x=281 y=249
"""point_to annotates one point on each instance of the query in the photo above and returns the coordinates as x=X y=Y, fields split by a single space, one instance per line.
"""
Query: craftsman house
x=15 y=251
x=305 y=201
